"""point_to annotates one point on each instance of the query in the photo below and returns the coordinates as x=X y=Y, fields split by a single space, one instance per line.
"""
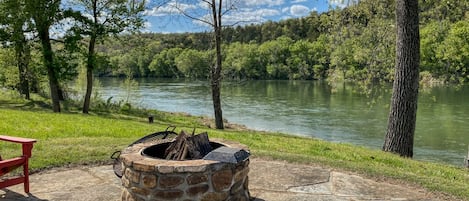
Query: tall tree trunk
x=216 y=70
x=22 y=58
x=49 y=62
x=89 y=74
x=403 y=113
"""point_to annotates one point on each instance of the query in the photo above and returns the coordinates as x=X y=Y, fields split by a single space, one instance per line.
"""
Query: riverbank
x=71 y=138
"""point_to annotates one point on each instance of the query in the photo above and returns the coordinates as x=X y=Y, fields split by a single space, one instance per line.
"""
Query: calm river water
x=311 y=108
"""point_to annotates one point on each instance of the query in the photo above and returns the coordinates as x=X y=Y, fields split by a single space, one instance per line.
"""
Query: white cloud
x=249 y=16
x=299 y=10
x=244 y=16
x=342 y=3
x=269 y=3
x=244 y=12
x=169 y=9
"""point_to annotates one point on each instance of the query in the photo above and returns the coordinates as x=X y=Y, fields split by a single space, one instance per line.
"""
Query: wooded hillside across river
x=356 y=43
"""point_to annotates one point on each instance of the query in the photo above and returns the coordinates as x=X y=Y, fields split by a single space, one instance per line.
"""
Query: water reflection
x=307 y=108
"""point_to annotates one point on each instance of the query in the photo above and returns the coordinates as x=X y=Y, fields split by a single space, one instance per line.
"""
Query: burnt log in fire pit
x=220 y=175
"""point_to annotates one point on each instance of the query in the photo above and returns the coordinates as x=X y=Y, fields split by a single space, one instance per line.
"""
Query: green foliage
x=320 y=52
x=8 y=70
x=66 y=65
x=431 y=37
x=300 y=62
x=455 y=52
x=243 y=61
x=193 y=63
x=275 y=54
x=164 y=65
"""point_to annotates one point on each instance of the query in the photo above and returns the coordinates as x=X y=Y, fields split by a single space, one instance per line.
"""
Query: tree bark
x=22 y=58
x=49 y=63
x=403 y=113
x=89 y=74
x=216 y=70
x=90 y=60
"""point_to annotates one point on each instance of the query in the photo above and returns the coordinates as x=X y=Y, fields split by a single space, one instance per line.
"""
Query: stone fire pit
x=221 y=175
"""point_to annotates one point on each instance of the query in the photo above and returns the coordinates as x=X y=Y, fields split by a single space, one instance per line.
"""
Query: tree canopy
x=355 y=43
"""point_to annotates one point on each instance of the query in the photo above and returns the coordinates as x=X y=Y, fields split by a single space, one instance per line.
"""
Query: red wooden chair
x=8 y=165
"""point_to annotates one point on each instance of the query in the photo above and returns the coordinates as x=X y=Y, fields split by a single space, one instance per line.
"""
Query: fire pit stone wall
x=153 y=179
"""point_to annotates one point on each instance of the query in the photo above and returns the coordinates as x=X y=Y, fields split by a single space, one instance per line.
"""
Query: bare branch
x=231 y=8
x=162 y=3
x=195 y=18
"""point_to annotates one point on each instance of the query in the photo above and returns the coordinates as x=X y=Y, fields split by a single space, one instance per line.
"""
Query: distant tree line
x=356 y=43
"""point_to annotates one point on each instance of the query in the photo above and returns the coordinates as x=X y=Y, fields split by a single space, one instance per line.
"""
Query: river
x=314 y=109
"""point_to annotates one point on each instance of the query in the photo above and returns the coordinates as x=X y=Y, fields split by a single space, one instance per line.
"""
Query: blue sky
x=168 y=19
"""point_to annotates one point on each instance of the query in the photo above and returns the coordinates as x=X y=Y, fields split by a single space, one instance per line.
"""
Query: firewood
x=199 y=146
x=173 y=150
x=186 y=147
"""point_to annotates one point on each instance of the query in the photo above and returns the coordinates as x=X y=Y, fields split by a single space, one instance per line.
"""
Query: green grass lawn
x=71 y=138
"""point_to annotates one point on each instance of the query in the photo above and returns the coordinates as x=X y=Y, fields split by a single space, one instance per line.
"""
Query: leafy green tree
x=275 y=54
x=321 y=53
x=98 y=19
x=44 y=14
x=343 y=60
x=145 y=54
x=193 y=63
x=14 y=25
x=242 y=61
x=374 y=51
x=435 y=10
x=454 y=52
x=164 y=65
x=300 y=61
x=432 y=36
x=270 y=31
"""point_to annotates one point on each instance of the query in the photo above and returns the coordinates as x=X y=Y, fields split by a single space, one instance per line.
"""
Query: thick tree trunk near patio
x=403 y=113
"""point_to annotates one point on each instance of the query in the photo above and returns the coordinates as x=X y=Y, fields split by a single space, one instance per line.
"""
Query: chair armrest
x=17 y=139
x=26 y=143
